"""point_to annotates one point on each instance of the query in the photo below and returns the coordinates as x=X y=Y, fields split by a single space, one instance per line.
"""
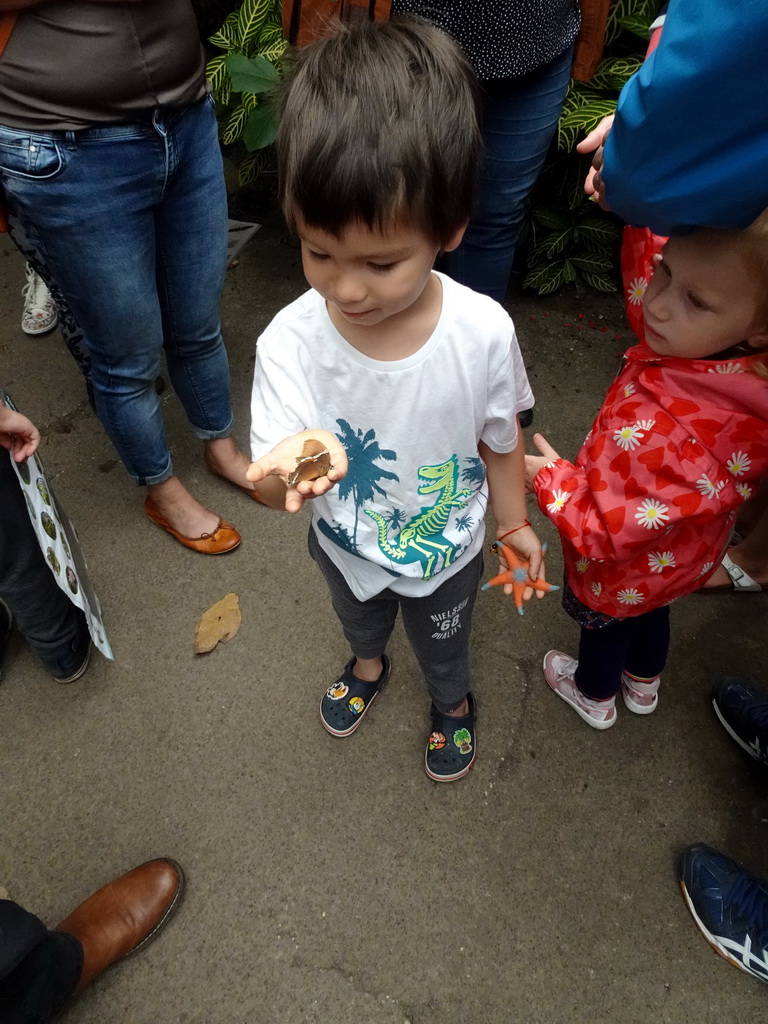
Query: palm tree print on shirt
x=362 y=480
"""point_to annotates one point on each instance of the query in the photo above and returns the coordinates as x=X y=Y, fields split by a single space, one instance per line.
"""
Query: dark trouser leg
x=639 y=645
x=38 y=968
x=367 y=625
x=43 y=613
x=438 y=627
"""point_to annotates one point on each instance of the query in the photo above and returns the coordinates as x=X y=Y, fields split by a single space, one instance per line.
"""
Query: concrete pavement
x=329 y=881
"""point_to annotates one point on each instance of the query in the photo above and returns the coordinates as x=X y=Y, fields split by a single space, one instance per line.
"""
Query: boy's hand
x=18 y=435
x=535 y=463
x=527 y=547
x=285 y=459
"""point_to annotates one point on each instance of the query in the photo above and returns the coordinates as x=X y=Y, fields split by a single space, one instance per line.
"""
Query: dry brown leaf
x=218 y=624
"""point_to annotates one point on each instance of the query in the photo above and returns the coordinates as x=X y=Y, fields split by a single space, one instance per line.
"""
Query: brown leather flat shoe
x=223 y=539
x=246 y=490
x=124 y=916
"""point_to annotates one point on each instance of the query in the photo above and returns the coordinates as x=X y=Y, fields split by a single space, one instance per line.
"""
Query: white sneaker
x=559 y=671
x=642 y=698
x=39 y=313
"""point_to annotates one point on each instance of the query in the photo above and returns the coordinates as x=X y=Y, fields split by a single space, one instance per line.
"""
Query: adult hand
x=535 y=463
x=595 y=142
x=18 y=435
x=285 y=459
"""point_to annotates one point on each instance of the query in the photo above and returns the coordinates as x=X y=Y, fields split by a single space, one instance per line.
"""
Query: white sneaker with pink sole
x=559 y=671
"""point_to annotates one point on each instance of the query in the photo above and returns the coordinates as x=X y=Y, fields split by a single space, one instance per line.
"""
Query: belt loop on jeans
x=70 y=139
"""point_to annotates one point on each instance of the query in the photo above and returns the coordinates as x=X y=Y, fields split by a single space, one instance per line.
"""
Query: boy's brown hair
x=379 y=124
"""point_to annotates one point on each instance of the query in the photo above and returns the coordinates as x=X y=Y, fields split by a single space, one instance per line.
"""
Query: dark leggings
x=638 y=645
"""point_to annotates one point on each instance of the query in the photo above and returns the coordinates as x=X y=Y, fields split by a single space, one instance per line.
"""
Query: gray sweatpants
x=438 y=625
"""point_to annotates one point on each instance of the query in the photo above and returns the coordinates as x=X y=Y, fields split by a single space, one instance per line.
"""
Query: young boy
x=410 y=380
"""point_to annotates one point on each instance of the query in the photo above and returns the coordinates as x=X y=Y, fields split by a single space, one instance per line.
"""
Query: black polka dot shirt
x=502 y=38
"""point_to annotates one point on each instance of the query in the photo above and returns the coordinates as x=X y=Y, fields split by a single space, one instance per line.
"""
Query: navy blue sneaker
x=346 y=702
x=69 y=663
x=743 y=712
x=452 y=744
x=729 y=905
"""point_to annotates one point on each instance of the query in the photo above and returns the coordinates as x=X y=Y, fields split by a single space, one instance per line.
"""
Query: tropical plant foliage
x=244 y=77
x=568 y=240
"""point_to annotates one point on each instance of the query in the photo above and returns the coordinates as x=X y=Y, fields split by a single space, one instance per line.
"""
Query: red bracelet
x=526 y=523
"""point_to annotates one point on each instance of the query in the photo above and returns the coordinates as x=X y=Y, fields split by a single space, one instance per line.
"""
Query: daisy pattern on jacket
x=708 y=488
x=651 y=514
x=739 y=463
x=597 y=589
x=630 y=596
x=726 y=368
x=744 y=490
x=582 y=565
x=629 y=438
x=705 y=569
x=658 y=561
x=629 y=389
x=636 y=290
x=559 y=499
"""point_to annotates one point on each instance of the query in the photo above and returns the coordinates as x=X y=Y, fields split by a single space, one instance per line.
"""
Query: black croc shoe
x=346 y=702
x=452 y=745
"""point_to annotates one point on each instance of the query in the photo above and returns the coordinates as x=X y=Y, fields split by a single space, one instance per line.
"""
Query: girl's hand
x=535 y=463
x=18 y=435
x=289 y=461
x=527 y=547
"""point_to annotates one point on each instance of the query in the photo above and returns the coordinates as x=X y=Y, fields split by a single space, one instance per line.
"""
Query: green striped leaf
x=601 y=283
x=227 y=36
x=251 y=17
x=216 y=73
x=583 y=119
x=592 y=263
x=233 y=128
x=614 y=73
x=252 y=166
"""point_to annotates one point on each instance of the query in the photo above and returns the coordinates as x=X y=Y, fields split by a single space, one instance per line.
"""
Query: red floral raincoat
x=646 y=512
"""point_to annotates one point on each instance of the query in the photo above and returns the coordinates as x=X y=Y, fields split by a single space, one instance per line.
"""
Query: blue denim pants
x=519 y=120
x=131 y=220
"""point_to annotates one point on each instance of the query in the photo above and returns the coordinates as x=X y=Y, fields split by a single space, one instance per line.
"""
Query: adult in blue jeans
x=523 y=55
x=109 y=154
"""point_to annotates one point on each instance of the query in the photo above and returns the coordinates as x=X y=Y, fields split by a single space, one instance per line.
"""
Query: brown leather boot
x=125 y=915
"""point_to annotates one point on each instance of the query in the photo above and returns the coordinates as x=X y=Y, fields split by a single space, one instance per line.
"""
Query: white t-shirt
x=410 y=511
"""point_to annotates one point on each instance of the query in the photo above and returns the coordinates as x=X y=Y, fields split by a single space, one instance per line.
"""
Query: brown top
x=71 y=64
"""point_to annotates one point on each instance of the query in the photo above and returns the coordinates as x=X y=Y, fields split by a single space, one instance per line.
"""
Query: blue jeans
x=131 y=220
x=519 y=120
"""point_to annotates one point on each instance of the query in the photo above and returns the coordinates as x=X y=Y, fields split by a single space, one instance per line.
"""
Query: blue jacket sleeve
x=689 y=145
